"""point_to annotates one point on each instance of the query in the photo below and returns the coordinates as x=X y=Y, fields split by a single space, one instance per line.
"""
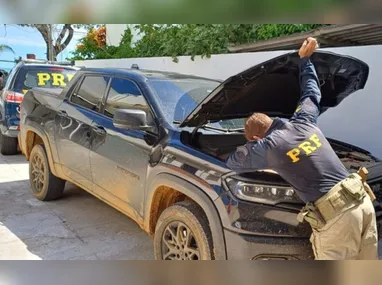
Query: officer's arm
x=248 y=158
x=309 y=105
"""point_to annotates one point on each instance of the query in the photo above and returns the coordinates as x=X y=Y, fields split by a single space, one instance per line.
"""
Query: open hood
x=272 y=87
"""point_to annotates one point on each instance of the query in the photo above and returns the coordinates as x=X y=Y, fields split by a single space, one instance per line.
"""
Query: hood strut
x=194 y=131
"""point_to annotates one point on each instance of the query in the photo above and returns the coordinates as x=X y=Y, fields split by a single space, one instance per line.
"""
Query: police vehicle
x=27 y=73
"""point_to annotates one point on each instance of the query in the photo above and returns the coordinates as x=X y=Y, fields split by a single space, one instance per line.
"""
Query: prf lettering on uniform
x=307 y=147
x=58 y=79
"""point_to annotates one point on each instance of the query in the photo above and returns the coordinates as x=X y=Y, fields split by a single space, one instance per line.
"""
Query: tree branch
x=62 y=34
x=44 y=31
x=60 y=47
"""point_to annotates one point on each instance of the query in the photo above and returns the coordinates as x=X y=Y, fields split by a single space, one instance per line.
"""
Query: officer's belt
x=345 y=195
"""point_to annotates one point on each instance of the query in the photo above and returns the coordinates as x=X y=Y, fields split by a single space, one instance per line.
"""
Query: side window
x=124 y=94
x=91 y=92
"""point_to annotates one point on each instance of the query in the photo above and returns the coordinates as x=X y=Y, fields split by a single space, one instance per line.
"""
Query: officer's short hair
x=257 y=125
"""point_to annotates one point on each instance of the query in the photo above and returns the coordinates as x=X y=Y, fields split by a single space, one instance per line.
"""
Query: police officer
x=338 y=204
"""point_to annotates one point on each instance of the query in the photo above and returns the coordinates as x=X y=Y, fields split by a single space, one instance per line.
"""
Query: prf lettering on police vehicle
x=307 y=147
x=58 y=79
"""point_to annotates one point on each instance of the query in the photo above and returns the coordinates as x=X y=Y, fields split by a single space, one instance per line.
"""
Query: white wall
x=218 y=66
x=357 y=120
x=114 y=33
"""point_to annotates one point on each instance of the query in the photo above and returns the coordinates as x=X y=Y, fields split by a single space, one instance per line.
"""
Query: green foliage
x=186 y=39
x=86 y=26
x=87 y=48
x=268 y=31
x=191 y=39
x=4 y=48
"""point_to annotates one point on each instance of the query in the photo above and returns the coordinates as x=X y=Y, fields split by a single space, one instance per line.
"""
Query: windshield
x=179 y=97
x=42 y=76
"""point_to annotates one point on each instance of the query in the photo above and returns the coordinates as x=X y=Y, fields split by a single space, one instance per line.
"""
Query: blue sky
x=25 y=40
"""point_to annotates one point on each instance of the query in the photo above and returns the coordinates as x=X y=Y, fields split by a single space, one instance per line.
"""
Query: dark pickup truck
x=153 y=145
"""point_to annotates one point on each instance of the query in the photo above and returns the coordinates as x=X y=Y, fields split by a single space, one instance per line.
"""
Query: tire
x=8 y=145
x=190 y=220
x=44 y=185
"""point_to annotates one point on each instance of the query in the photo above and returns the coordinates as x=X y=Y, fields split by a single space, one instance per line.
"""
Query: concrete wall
x=114 y=33
x=357 y=120
x=218 y=66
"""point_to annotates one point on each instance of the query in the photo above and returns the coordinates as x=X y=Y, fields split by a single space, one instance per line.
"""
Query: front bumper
x=11 y=133
x=249 y=247
x=10 y=127
x=9 y=130
x=259 y=231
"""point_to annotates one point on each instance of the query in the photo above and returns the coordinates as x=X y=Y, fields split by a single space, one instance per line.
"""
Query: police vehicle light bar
x=45 y=61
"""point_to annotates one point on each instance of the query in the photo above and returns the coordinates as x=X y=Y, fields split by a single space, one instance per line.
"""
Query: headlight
x=260 y=193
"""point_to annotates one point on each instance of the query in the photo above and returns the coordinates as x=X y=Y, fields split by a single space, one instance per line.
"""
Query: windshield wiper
x=203 y=127
x=206 y=127
x=237 y=130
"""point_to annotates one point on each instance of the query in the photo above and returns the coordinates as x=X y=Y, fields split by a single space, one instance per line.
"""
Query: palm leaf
x=4 y=48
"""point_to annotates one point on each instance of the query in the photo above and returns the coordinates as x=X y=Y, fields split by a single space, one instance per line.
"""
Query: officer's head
x=256 y=126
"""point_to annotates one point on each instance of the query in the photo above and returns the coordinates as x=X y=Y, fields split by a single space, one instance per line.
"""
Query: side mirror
x=130 y=119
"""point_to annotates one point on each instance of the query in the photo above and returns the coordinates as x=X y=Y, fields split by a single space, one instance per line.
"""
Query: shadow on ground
x=78 y=226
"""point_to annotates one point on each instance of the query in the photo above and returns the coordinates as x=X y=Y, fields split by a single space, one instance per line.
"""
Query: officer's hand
x=308 y=47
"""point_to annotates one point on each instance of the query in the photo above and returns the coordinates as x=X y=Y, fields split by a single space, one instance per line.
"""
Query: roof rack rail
x=71 y=63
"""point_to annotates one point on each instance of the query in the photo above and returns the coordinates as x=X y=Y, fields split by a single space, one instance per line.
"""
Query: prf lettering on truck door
x=307 y=147
x=57 y=79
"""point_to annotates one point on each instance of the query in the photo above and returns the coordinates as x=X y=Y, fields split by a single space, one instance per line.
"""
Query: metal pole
x=50 y=54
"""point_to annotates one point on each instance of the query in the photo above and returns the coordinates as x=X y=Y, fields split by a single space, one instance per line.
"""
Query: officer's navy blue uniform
x=296 y=148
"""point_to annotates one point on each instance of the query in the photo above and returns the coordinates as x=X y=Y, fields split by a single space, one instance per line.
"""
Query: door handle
x=62 y=113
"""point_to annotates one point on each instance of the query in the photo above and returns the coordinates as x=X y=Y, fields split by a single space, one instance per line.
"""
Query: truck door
x=74 y=127
x=120 y=158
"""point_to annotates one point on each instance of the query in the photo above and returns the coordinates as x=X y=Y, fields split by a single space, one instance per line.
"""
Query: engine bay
x=222 y=145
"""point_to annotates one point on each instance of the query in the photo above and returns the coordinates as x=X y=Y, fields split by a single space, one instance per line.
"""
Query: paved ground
x=78 y=226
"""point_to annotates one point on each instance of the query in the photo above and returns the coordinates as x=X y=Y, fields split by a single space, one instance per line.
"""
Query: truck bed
x=48 y=91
